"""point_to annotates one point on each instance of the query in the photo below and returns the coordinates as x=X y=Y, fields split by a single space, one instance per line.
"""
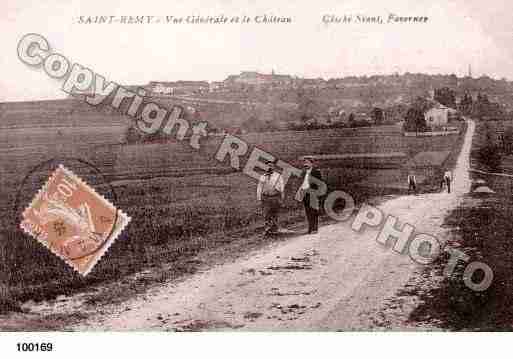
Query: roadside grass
x=485 y=229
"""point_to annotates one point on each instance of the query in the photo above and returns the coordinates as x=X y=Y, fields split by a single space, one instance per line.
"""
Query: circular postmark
x=63 y=235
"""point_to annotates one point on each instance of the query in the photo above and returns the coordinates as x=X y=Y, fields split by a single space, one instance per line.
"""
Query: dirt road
x=334 y=280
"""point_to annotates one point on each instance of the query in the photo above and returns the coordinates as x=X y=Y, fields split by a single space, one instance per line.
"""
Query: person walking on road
x=312 y=205
x=447 y=180
x=412 y=183
x=271 y=193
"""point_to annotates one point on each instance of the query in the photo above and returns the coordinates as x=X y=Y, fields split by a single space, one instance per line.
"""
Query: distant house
x=256 y=78
x=437 y=115
x=169 y=88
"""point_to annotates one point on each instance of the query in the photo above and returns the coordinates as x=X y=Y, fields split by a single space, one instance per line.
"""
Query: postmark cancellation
x=73 y=221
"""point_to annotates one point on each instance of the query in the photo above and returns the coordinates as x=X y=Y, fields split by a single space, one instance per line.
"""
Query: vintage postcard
x=255 y=166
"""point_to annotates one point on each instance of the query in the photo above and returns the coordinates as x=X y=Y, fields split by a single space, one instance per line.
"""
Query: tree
x=507 y=140
x=415 y=120
x=481 y=105
x=466 y=104
x=445 y=96
x=489 y=154
x=377 y=116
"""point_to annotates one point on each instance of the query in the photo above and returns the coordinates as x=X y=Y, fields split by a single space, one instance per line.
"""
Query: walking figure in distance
x=271 y=193
x=311 y=203
x=412 y=183
x=447 y=180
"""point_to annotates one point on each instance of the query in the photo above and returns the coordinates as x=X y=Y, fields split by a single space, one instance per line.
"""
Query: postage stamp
x=73 y=221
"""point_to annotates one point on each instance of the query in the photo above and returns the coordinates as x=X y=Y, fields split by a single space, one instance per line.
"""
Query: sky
x=458 y=33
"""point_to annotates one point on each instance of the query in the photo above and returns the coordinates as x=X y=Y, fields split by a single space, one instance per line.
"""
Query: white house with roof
x=437 y=115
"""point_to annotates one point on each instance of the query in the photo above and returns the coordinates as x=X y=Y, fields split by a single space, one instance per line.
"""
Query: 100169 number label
x=34 y=347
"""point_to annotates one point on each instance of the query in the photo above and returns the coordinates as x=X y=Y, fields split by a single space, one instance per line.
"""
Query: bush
x=490 y=156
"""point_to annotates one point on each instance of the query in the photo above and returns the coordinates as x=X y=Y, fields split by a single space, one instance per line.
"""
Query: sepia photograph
x=287 y=166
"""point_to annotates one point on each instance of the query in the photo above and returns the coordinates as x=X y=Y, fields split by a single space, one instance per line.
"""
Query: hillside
x=264 y=108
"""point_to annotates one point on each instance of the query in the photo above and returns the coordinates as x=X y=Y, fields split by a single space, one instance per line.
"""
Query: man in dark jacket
x=312 y=203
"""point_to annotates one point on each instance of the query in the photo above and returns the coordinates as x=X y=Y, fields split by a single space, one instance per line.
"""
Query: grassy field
x=181 y=200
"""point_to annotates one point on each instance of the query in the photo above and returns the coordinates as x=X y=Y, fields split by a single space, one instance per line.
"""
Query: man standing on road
x=412 y=183
x=271 y=193
x=312 y=205
x=447 y=180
